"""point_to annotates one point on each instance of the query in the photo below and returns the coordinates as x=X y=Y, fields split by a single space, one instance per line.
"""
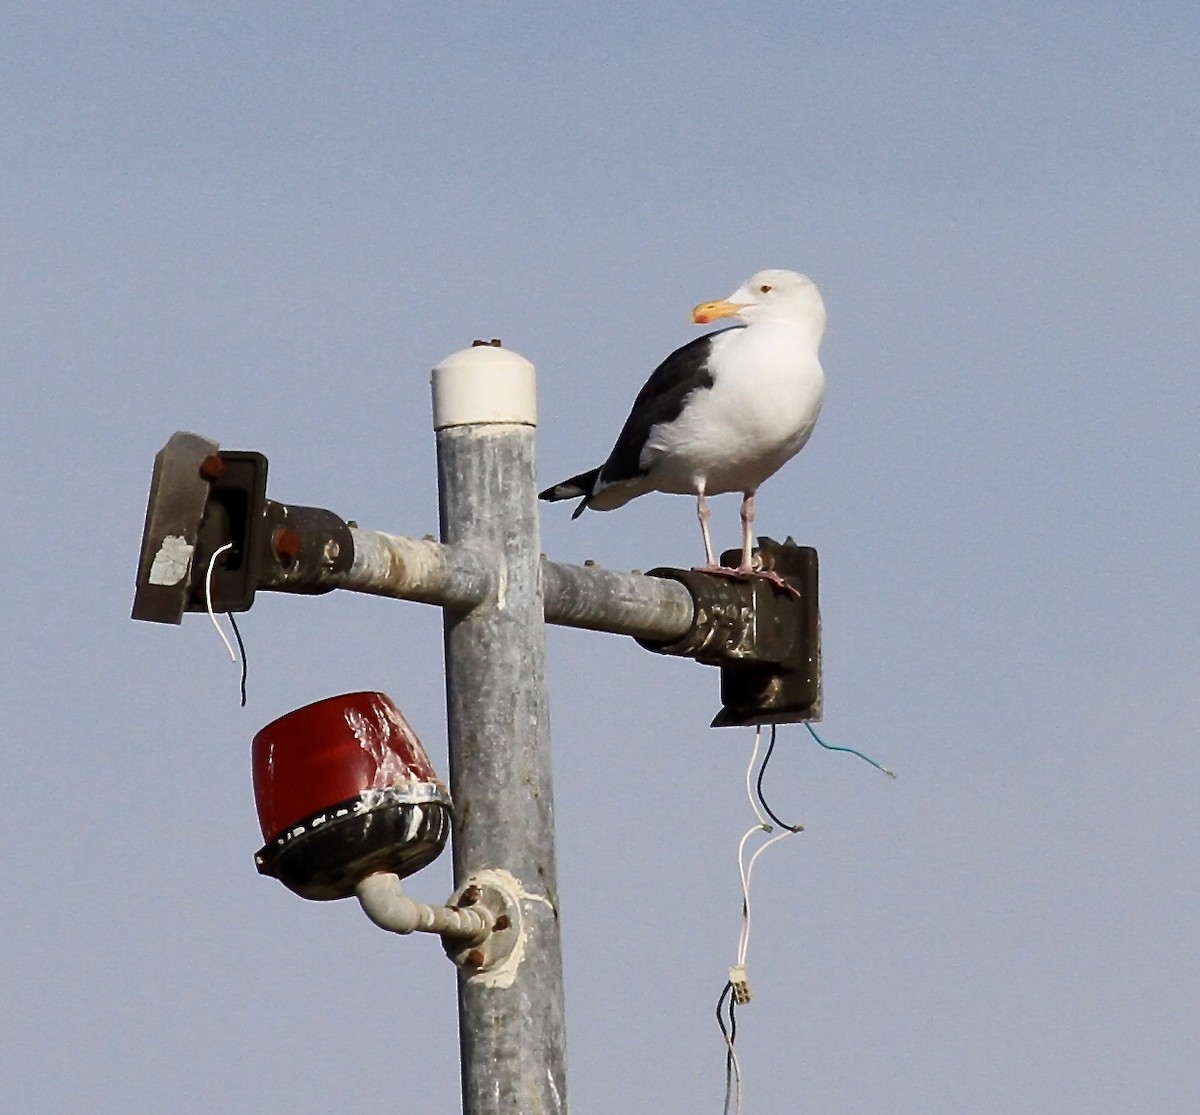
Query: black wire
x=241 y=645
x=729 y=1031
x=759 y=788
x=729 y=1034
x=242 y=651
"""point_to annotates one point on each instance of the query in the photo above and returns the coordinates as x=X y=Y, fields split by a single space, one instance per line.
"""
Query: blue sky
x=266 y=223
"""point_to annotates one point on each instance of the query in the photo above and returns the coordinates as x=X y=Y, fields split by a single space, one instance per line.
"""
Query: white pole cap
x=483 y=385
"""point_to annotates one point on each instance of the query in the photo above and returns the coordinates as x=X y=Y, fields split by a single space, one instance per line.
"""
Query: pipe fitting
x=383 y=901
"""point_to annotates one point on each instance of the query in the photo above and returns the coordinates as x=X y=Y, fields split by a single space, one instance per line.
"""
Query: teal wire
x=830 y=747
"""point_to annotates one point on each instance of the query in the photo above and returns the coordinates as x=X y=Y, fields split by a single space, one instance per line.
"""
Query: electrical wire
x=733 y=1068
x=750 y=771
x=754 y=794
x=830 y=747
x=759 y=784
x=744 y=875
x=241 y=651
x=746 y=870
x=208 y=599
x=212 y=615
x=729 y=998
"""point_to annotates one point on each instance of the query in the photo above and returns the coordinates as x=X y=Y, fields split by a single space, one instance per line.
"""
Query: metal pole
x=459 y=578
x=511 y=1029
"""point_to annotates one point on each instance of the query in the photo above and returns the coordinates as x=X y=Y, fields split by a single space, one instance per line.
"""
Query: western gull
x=722 y=413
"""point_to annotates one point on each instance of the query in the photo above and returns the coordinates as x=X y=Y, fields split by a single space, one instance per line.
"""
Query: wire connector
x=740 y=984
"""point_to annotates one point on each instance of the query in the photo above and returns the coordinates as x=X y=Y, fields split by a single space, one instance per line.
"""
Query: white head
x=770 y=295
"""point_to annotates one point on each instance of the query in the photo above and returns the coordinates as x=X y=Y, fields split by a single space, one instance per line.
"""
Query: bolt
x=332 y=549
x=286 y=543
x=212 y=467
x=590 y=563
x=501 y=923
x=469 y=896
x=474 y=959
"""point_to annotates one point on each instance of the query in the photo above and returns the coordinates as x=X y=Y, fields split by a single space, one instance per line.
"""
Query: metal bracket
x=178 y=493
x=502 y=911
x=766 y=640
x=203 y=498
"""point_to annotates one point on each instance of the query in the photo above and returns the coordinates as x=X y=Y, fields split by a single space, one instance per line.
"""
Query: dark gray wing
x=661 y=399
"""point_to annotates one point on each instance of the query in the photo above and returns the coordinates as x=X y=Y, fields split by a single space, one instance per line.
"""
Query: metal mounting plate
x=504 y=917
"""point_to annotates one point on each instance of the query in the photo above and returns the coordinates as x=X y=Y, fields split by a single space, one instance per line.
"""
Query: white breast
x=758 y=414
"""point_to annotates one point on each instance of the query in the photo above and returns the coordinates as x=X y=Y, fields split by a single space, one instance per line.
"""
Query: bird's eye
x=765 y=288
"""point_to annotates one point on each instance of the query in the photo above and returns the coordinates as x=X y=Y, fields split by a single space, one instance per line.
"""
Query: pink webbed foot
x=741 y=573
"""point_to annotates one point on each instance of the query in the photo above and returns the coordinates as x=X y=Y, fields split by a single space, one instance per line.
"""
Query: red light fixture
x=344 y=789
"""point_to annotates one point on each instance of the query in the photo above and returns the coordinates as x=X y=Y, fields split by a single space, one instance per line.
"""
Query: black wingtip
x=566 y=490
x=576 y=486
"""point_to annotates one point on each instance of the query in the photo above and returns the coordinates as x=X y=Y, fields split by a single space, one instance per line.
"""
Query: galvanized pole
x=458 y=578
x=511 y=1028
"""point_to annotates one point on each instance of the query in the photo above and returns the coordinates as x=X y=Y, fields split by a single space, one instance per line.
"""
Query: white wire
x=746 y=870
x=212 y=561
x=746 y=873
x=737 y=1079
x=749 y=773
x=744 y=934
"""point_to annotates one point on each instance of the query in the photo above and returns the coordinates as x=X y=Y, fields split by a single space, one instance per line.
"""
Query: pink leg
x=747 y=568
x=703 y=514
x=747 y=513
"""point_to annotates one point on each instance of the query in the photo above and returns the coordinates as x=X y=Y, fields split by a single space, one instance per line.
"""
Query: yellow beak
x=711 y=311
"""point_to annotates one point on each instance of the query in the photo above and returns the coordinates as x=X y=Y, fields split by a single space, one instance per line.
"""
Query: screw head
x=474 y=958
x=286 y=543
x=212 y=467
